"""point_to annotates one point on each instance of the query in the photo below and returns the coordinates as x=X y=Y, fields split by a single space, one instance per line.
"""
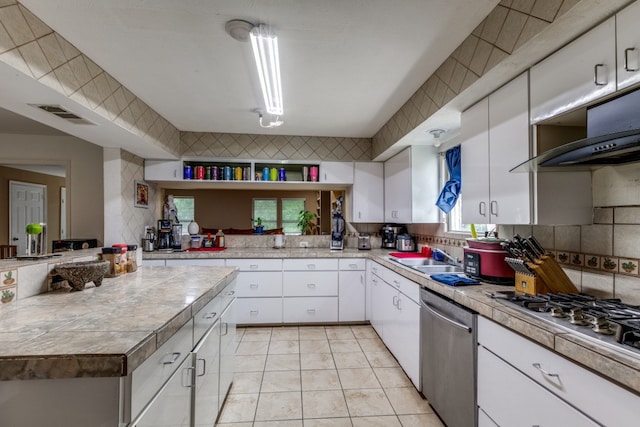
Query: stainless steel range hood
x=613 y=138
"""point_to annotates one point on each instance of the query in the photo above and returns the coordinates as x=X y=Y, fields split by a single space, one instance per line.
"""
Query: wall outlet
x=304 y=244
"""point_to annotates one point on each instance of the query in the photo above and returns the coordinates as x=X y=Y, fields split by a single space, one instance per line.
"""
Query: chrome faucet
x=453 y=261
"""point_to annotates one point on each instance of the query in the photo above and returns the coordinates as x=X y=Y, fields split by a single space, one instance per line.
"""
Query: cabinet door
x=227 y=351
x=368 y=192
x=163 y=170
x=397 y=187
x=336 y=172
x=512 y=399
x=171 y=407
x=579 y=73
x=259 y=310
x=509 y=146
x=377 y=303
x=351 y=296
x=206 y=360
x=406 y=341
x=628 y=45
x=475 y=163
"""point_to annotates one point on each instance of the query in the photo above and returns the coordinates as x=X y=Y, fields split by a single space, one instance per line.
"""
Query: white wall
x=84 y=175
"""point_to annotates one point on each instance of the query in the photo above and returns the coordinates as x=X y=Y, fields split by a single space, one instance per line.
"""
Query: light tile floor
x=316 y=376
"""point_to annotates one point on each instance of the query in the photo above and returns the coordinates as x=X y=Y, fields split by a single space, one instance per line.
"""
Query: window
x=267 y=209
x=186 y=206
x=289 y=214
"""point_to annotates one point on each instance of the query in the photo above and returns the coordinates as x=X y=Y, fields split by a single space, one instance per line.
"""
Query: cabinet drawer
x=404 y=285
x=256 y=264
x=304 y=264
x=317 y=283
x=259 y=284
x=147 y=379
x=512 y=399
x=258 y=310
x=311 y=309
x=205 y=318
x=572 y=383
x=228 y=294
x=378 y=270
x=211 y=262
x=351 y=264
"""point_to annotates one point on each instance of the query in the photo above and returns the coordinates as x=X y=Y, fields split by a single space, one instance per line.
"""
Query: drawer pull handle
x=626 y=59
x=226 y=329
x=595 y=75
x=549 y=374
x=230 y=293
x=311 y=285
x=311 y=266
x=186 y=380
x=204 y=367
x=395 y=301
x=252 y=312
x=397 y=283
x=174 y=358
x=210 y=315
x=311 y=310
x=253 y=266
x=354 y=266
x=253 y=285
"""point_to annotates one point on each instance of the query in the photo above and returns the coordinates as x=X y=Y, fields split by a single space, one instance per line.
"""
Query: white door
x=475 y=164
x=26 y=206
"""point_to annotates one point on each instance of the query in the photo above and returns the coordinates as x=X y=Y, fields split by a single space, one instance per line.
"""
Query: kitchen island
x=74 y=357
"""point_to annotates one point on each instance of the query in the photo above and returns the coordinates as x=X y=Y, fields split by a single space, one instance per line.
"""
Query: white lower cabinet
x=351 y=290
x=396 y=318
x=517 y=377
x=258 y=310
x=206 y=362
x=310 y=309
x=210 y=262
x=259 y=290
x=227 y=351
x=171 y=406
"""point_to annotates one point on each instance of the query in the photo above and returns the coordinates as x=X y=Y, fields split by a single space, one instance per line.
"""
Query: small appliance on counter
x=389 y=232
x=165 y=239
x=149 y=240
x=176 y=236
x=364 y=242
x=405 y=243
x=484 y=259
x=337 y=227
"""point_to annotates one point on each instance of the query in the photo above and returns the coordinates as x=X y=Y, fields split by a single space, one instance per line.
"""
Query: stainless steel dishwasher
x=449 y=352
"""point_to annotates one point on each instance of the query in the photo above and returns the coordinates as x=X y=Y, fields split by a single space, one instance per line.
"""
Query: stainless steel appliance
x=389 y=232
x=449 y=352
x=405 y=243
x=165 y=240
x=337 y=231
x=176 y=237
x=364 y=241
x=608 y=322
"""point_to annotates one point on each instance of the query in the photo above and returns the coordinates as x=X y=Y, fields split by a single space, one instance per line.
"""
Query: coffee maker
x=165 y=238
x=389 y=234
x=337 y=227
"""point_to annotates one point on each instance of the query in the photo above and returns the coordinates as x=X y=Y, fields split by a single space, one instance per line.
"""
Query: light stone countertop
x=106 y=331
x=615 y=366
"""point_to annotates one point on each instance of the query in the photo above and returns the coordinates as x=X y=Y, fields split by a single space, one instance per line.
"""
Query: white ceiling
x=347 y=65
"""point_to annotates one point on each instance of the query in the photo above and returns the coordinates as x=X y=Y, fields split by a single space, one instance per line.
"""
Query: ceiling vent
x=61 y=112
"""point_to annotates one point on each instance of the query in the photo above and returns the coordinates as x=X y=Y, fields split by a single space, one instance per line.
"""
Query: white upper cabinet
x=411 y=186
x=579 y=73
x=495 y=135
x=368 y=192
x=628 y=45
x=163 y=170
x=336 y=172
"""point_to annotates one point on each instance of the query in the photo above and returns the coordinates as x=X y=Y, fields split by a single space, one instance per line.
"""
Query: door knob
x=15 y=239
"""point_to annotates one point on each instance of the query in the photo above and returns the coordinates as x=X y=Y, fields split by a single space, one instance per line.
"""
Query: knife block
x=530 y=284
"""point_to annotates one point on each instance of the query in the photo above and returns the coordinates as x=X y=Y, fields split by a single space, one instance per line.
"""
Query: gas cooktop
x=609 y=322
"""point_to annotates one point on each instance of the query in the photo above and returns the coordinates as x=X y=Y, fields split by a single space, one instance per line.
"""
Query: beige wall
x=53 y=184
x=233 y=208
x=84 y=175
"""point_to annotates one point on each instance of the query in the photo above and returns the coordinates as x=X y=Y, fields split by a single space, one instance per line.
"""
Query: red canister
x=199 y=172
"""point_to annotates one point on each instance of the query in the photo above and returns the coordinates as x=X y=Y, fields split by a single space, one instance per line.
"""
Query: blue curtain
x=451 y=190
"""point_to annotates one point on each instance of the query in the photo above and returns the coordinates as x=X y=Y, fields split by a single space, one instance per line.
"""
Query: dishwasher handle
x=445 y=318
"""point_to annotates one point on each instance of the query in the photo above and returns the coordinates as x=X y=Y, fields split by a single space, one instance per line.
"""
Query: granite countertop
x=618 y=367
x=106 y=331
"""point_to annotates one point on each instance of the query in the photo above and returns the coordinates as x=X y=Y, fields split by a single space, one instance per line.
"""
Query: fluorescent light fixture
x=265 y=50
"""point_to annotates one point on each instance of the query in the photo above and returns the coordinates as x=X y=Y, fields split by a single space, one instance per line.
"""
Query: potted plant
x=306 y=221
x=259 y=228
x=7 y=295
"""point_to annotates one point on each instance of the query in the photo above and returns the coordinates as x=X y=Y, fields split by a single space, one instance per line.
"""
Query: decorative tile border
x=8 y=286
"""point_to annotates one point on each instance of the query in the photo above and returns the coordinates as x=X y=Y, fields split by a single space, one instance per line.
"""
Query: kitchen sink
x=411 y=262
x=428 y=265
x=437 y=269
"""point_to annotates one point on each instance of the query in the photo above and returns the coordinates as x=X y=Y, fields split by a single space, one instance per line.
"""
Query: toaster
x=364 y=242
